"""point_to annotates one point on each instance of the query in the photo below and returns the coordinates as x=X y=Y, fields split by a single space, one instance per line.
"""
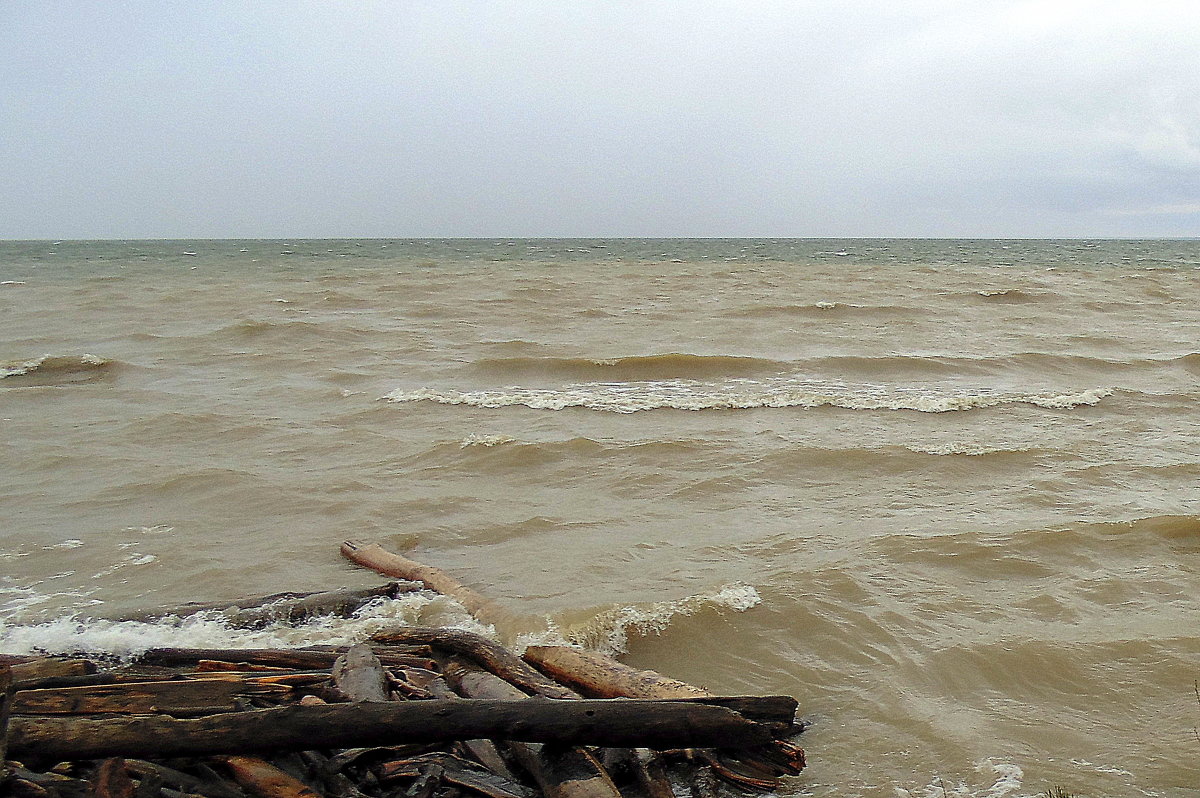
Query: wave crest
x=673 y=365
x=743 y=395
x=608 y=631
x=55 y=370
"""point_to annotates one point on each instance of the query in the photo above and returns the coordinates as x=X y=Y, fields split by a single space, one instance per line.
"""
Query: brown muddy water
x=946 y=493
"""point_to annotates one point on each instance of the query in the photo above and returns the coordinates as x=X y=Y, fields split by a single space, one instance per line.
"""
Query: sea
x=946 y=493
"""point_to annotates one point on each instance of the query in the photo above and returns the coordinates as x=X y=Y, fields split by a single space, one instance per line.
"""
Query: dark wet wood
x=635 y=723
x=455 y=771
x=289 y=658
x=258 y=611
x=140 y=697
x=560 y=770
x=6 y=696
x=211 y=788
x=492 y=656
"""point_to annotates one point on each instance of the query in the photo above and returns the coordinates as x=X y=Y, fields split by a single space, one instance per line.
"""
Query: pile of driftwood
x=416 y=712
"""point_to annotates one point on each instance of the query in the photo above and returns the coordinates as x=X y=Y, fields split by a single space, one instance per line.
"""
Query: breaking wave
x=127 y=639
x=745 y=394
x=648 y=367
x=55 y=370
x=608 y=631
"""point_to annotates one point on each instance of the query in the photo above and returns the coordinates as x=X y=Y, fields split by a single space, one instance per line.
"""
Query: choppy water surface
x=947 y=493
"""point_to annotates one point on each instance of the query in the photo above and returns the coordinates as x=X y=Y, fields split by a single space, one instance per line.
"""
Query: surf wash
x=433 y=709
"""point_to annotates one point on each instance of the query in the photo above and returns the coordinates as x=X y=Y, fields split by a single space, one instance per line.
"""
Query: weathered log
x=600 y=676
x=650 y=724
x=289 y=658
x=379 y=559
x=140 y=697
x=491 y=655
x=560 y=770
x=50 y=668
x=265 y=780
x=360 y=676
x=778 y=711
x=257 y=611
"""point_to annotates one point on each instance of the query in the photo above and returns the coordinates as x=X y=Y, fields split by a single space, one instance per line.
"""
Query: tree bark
x=649 y=724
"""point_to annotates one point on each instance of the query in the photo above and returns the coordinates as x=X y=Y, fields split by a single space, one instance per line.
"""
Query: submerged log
x=491 y=655
x=379 y=559
x=633 y=723
x=288 y=607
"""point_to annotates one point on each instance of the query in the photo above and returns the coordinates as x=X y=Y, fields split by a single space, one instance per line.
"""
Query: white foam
x=484 y=440
x=1006 y=779
x=33 y=364
x=126 y=639
x=633 y=397
x=608 y=631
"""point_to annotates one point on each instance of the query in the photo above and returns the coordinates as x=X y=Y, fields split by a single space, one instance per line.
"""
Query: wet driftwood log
x=380 y=560
x=598 y=676
x=258 y=611
x=661 y=724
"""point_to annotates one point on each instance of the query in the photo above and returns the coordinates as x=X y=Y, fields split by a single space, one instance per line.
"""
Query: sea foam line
x=742 y=395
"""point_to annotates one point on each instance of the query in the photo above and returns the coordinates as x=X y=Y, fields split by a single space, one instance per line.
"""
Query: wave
x=680 y=366
x=128 y=639
x=744 y=395
x=824 y=310
x=56 y=370
x=608 y=630
x=673 y=365
x=1015 y=296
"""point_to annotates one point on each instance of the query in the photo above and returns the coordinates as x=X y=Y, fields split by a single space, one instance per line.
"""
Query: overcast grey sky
x=618 y=118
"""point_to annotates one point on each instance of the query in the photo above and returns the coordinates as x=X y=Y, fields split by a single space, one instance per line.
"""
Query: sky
x=563 y=118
